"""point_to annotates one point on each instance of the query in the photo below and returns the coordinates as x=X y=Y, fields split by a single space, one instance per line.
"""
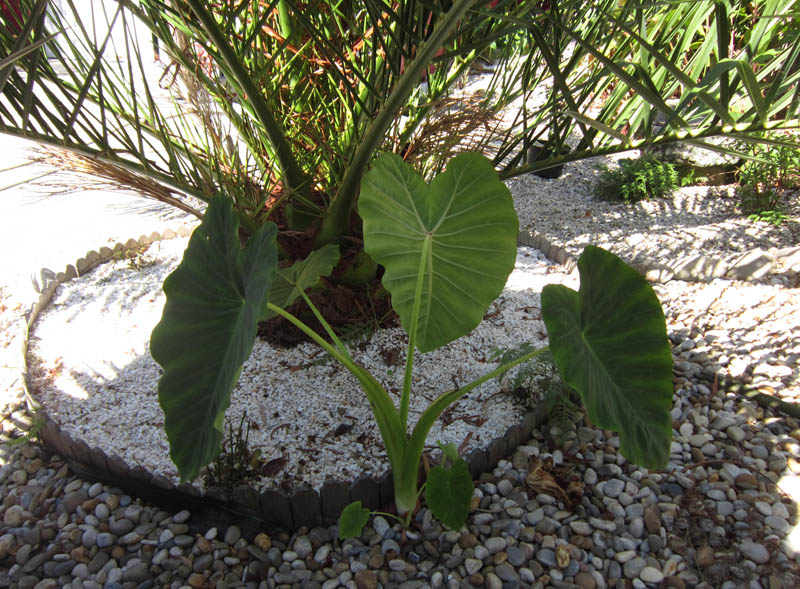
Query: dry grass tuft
x=100 y=174
x=455 y=125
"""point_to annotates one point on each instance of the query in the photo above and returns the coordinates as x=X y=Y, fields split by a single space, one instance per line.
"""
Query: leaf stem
x=405 y=398
x=338 y=215
x=394 y=437
x=294 y=178
x=442 y=402
x=328 y=329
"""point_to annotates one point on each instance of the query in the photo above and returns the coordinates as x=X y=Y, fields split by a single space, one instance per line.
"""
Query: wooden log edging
x=554 y=252
x=252 y=510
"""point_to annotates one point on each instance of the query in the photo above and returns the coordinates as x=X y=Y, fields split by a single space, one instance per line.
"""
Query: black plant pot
x=538 y=152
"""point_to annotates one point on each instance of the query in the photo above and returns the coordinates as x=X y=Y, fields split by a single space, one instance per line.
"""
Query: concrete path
x=51 y=220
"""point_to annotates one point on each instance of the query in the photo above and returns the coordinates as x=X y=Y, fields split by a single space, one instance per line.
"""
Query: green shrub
x=774 y=217
x=637 y=179
x=764 y=180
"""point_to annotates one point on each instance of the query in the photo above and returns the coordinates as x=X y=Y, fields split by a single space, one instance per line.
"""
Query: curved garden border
x=272 y=508
x=250 y=509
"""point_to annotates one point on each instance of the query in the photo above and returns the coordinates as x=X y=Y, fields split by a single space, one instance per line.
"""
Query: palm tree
x=289 y=102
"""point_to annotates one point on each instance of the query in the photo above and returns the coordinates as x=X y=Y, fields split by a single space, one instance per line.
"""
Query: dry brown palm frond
x=98 y=174
x=455 y=125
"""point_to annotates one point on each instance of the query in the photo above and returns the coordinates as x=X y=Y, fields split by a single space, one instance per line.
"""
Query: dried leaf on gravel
x=556 y=481
x=274 y=466
x=540 y=480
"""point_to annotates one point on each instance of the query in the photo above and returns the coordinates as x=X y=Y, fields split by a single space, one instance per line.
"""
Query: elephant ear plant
x=447 y=249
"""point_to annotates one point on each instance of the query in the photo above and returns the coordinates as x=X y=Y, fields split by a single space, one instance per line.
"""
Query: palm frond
x=288 y=102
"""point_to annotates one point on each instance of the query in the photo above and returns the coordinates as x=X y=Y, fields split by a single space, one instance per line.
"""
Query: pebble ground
x=723 y=514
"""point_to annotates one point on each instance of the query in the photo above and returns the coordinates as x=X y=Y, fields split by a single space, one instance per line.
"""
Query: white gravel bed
x=691 y=220
x=94 y=375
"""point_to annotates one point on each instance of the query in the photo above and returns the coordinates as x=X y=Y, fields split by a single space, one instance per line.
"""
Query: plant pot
x=539 y=152
x=251 y=508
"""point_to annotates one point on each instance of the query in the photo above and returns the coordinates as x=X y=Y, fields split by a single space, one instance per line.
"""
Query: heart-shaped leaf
x=214 y=300
x=609 y=341
x=290 y=282
x=352 y=520
x=448 y=493
x=464 y=224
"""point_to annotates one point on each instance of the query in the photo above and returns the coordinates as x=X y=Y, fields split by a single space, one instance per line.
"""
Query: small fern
x=538 y=381
x=29 y=436
x=637 y=179
x=563 y=413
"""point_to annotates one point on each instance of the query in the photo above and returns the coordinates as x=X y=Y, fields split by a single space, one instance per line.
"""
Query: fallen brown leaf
x=540 y=480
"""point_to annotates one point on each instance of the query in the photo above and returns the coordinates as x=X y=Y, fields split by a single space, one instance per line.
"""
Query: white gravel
x=691 y=220
x=95 y=376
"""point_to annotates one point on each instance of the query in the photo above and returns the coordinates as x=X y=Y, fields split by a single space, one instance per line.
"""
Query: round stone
x=507 y=573
x=472 y=565
x=101 y=512
x=735 y=434
x=651 y=575
x=613 y=487
x=263 y=541
x=136 y=573
x=581 y=527
x=7 y=542
x=104 y=540
x=755 y=552
x=202 y=562
x=80 y=571
x=302 y=546
x=585 y=581
x=165 y=536
x=89 y=538
x=495 y=544
x=120 y=527
x=232 y=535
x=321 y=555
x=704 y=556
x=547 y=557
x=633 y=567
x=13 y=516
x=381 y=526
x=516 y=556
x=481 y=553
x=777 y=523
x=725 y=508
x=504 y=487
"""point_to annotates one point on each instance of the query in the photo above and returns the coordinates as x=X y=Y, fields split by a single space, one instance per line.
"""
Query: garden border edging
x=245 y=506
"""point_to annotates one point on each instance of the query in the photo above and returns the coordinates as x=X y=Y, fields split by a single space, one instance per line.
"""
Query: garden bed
x=310 y=428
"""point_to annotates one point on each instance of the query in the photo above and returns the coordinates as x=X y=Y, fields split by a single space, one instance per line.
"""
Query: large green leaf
x=463 y=224
x=290 y=282
x=214 y=300
x=448 y=493
x=609 y=341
